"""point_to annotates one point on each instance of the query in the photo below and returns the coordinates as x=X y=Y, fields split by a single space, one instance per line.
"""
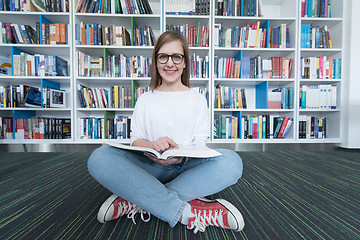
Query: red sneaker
x=115 y=207
x=219 y=213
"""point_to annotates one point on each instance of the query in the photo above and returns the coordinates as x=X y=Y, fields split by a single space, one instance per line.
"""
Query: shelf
x=62 y=14
x=118 y=15
x=35 y=45
x=105 y=109
x=275 y=13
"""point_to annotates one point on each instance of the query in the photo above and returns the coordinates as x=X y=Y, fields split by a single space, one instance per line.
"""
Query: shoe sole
x=105 y=208
x=233 y=210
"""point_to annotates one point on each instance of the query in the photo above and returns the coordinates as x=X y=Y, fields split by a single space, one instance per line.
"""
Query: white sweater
x=182 y=116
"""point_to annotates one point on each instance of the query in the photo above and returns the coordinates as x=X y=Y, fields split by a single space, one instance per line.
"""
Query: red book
x=283 y=126
x=227 y=71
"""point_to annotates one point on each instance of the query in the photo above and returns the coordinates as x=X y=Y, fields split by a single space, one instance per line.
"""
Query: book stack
x=105 y=128
x=25 y=64
x=313 y=127
x=96 y=34
x=113 y=97
x=252 y=67
x=45 y=33
x=35 y=6
x=238 y=8
x=113 y=66
x=320 y=97
x=322 y=67
x=249 y=36
x=120 y=6
x=6 y=128
x=188 y=7
x=197 y=35
x=252 y=127
x=35 y=128
x=315 y=8
x=315 y=36
x=199 y=67
x=143 y=36
x=281 y=98
x=226 y=97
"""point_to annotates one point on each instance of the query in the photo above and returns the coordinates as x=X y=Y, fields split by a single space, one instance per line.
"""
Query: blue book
x=310 y=8
x=276 y=38
x=337 y=68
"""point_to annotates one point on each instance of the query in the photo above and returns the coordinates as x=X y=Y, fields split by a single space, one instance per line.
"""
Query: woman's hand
x=164 y=162
x=163 y=144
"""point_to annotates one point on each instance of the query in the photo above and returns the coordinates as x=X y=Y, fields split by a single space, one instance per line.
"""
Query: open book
x=194 y=151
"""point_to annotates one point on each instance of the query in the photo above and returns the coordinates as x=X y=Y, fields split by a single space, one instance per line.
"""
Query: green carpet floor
x=282 y=195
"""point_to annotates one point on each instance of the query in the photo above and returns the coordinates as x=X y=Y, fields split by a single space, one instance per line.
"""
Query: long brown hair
x=165 y=37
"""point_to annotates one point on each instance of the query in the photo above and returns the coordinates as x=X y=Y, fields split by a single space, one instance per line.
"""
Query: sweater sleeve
x=202 y=133
x=137 y=124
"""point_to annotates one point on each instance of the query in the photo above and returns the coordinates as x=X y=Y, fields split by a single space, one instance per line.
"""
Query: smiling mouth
x=170 y=71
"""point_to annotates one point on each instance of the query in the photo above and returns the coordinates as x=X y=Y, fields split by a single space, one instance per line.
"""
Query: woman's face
x=171 y=68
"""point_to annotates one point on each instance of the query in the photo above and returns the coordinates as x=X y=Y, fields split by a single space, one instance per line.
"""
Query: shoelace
x=142 y=212
x=202 y=220
x=122 y=207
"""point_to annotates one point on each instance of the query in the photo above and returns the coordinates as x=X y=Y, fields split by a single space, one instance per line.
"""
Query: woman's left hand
x=164 y=162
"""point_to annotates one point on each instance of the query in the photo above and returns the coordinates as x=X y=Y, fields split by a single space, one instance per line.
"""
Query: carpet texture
x=282 y=195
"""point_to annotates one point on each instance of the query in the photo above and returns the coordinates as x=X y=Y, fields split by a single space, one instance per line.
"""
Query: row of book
x=113 y=66
x=96 y=34
x=251 y=127
x=187 y=7
x=25 y=64
x=35 y=6
x=251 y=36
x=238 y=8
x=21 y=95
x=281 y=98
x=196 y=35
x=199 y=67
x=314 y=37
x=118 y=6
x=113 y=97
x=45 y=33
x=320 y=97
x=252 y=67
x=315 y=8
x=117 y=127
x=227 y=97
x=312 y=127
x=35 y=128
x=321 y=67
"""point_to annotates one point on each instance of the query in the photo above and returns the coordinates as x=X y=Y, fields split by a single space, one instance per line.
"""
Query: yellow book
x=86 y=97
x=116 y=96
x=260 y=126
x=257 y=34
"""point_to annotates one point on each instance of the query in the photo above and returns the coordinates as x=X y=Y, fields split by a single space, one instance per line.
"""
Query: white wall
x=351 y=73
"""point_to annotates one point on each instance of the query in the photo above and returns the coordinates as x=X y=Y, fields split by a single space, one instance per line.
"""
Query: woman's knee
x=99 y=158
x=232 y=163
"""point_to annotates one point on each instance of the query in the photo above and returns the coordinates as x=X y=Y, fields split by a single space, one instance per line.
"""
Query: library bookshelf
x=214 y=51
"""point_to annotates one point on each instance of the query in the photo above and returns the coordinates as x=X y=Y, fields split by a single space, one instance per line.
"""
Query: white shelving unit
x=65 y=82
x=335 y=25
x=275 y=12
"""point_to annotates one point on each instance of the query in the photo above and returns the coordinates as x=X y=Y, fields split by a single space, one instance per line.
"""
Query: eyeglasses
x=164 y=58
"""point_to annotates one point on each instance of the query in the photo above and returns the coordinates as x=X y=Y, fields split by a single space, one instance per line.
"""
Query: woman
x=168 y=116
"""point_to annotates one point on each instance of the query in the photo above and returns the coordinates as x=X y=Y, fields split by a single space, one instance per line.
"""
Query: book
x=33 y=97
x=194 y=151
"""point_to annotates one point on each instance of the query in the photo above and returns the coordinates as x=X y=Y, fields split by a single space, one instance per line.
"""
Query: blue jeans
x=163 y=190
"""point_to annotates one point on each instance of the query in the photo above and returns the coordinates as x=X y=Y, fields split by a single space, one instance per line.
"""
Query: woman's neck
x=172 y=87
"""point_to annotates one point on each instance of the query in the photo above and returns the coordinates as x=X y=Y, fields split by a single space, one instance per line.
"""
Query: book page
x=195 y=151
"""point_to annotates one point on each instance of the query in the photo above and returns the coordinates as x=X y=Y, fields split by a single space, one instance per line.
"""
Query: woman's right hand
x=163 y=143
